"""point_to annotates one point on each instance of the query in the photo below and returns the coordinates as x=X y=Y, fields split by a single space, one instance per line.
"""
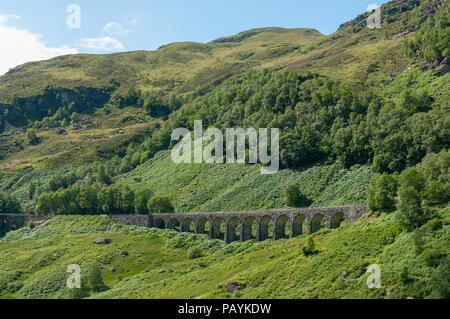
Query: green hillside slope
x=363 y=115
x=34 y=262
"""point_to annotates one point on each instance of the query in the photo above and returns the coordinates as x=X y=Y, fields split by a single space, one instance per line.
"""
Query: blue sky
x=35 y=30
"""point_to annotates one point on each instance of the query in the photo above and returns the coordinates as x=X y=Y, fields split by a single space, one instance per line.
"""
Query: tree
x=141 y=199
x=107 y=199
x=435 y=193
x=126 y=199
x=293 y=195
x=159 y=204
x=412 y=177
x=410 y=213
x=31 y=137
x=9 y=204
x=87 y=199
x=45 y=205
x=94 y=278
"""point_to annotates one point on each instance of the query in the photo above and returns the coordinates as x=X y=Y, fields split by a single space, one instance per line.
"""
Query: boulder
x=102 y=241
x=231 y=287
x=390 y=290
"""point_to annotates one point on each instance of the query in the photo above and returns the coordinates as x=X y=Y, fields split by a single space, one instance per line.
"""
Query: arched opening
x=174 y=224
x=188 y=225
x=266 y=229
x=218 y=228
x=249 y=229
x=283 y=227
x=159 y=223
x=317 y=222
x=338 y=220
x=300 y=226
x=233 y=230
x=203 y=226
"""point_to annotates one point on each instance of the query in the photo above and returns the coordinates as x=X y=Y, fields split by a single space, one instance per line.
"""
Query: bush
x=14 y=286
x=31 y=137
x=432 y=225
x=293 y=195
x=440 y=280
x=431 y=257
x=404 y=275
x=9 y=204
x=310 y=247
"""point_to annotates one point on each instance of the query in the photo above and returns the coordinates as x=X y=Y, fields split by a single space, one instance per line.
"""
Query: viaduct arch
x=230 y=226
x=260 y=225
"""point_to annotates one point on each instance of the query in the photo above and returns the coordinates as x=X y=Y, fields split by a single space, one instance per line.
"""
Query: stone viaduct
x=229 y=226
x=258 y=225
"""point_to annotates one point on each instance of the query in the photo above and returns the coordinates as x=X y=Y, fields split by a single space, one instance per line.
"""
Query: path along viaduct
x=230 y=226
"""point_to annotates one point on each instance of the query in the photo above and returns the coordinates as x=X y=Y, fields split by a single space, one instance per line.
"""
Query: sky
x=33 y=30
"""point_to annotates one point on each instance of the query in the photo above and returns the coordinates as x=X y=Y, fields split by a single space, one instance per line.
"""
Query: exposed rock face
x=37 y=107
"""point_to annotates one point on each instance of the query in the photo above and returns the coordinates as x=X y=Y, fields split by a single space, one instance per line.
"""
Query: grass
x=234 y=187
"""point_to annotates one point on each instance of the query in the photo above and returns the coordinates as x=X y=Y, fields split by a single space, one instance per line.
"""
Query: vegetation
x=34 y=261
x=376 y=130
x=159 y=205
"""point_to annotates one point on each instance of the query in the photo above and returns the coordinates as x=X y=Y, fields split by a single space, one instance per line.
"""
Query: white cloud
x=5 y=17
x=102 y=44
x=20 y=46
x=114 y=29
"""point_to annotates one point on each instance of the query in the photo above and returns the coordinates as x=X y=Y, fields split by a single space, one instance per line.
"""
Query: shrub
x=404 y=275
x=195 y=253
x=440 y=280
x=432 y=225
x=310 y=247
x=293 y=195
x=9 y=204
x=31 y=137
x=431 y=257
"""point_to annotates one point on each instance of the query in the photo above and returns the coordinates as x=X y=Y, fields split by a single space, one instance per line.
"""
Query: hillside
x=157 y=265
x=363 y=116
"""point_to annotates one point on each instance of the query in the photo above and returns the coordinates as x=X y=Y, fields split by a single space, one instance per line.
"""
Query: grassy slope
x=189 y=67
x=242 y=187
x=193 y=67
x=28 y=260
x=221 y=187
